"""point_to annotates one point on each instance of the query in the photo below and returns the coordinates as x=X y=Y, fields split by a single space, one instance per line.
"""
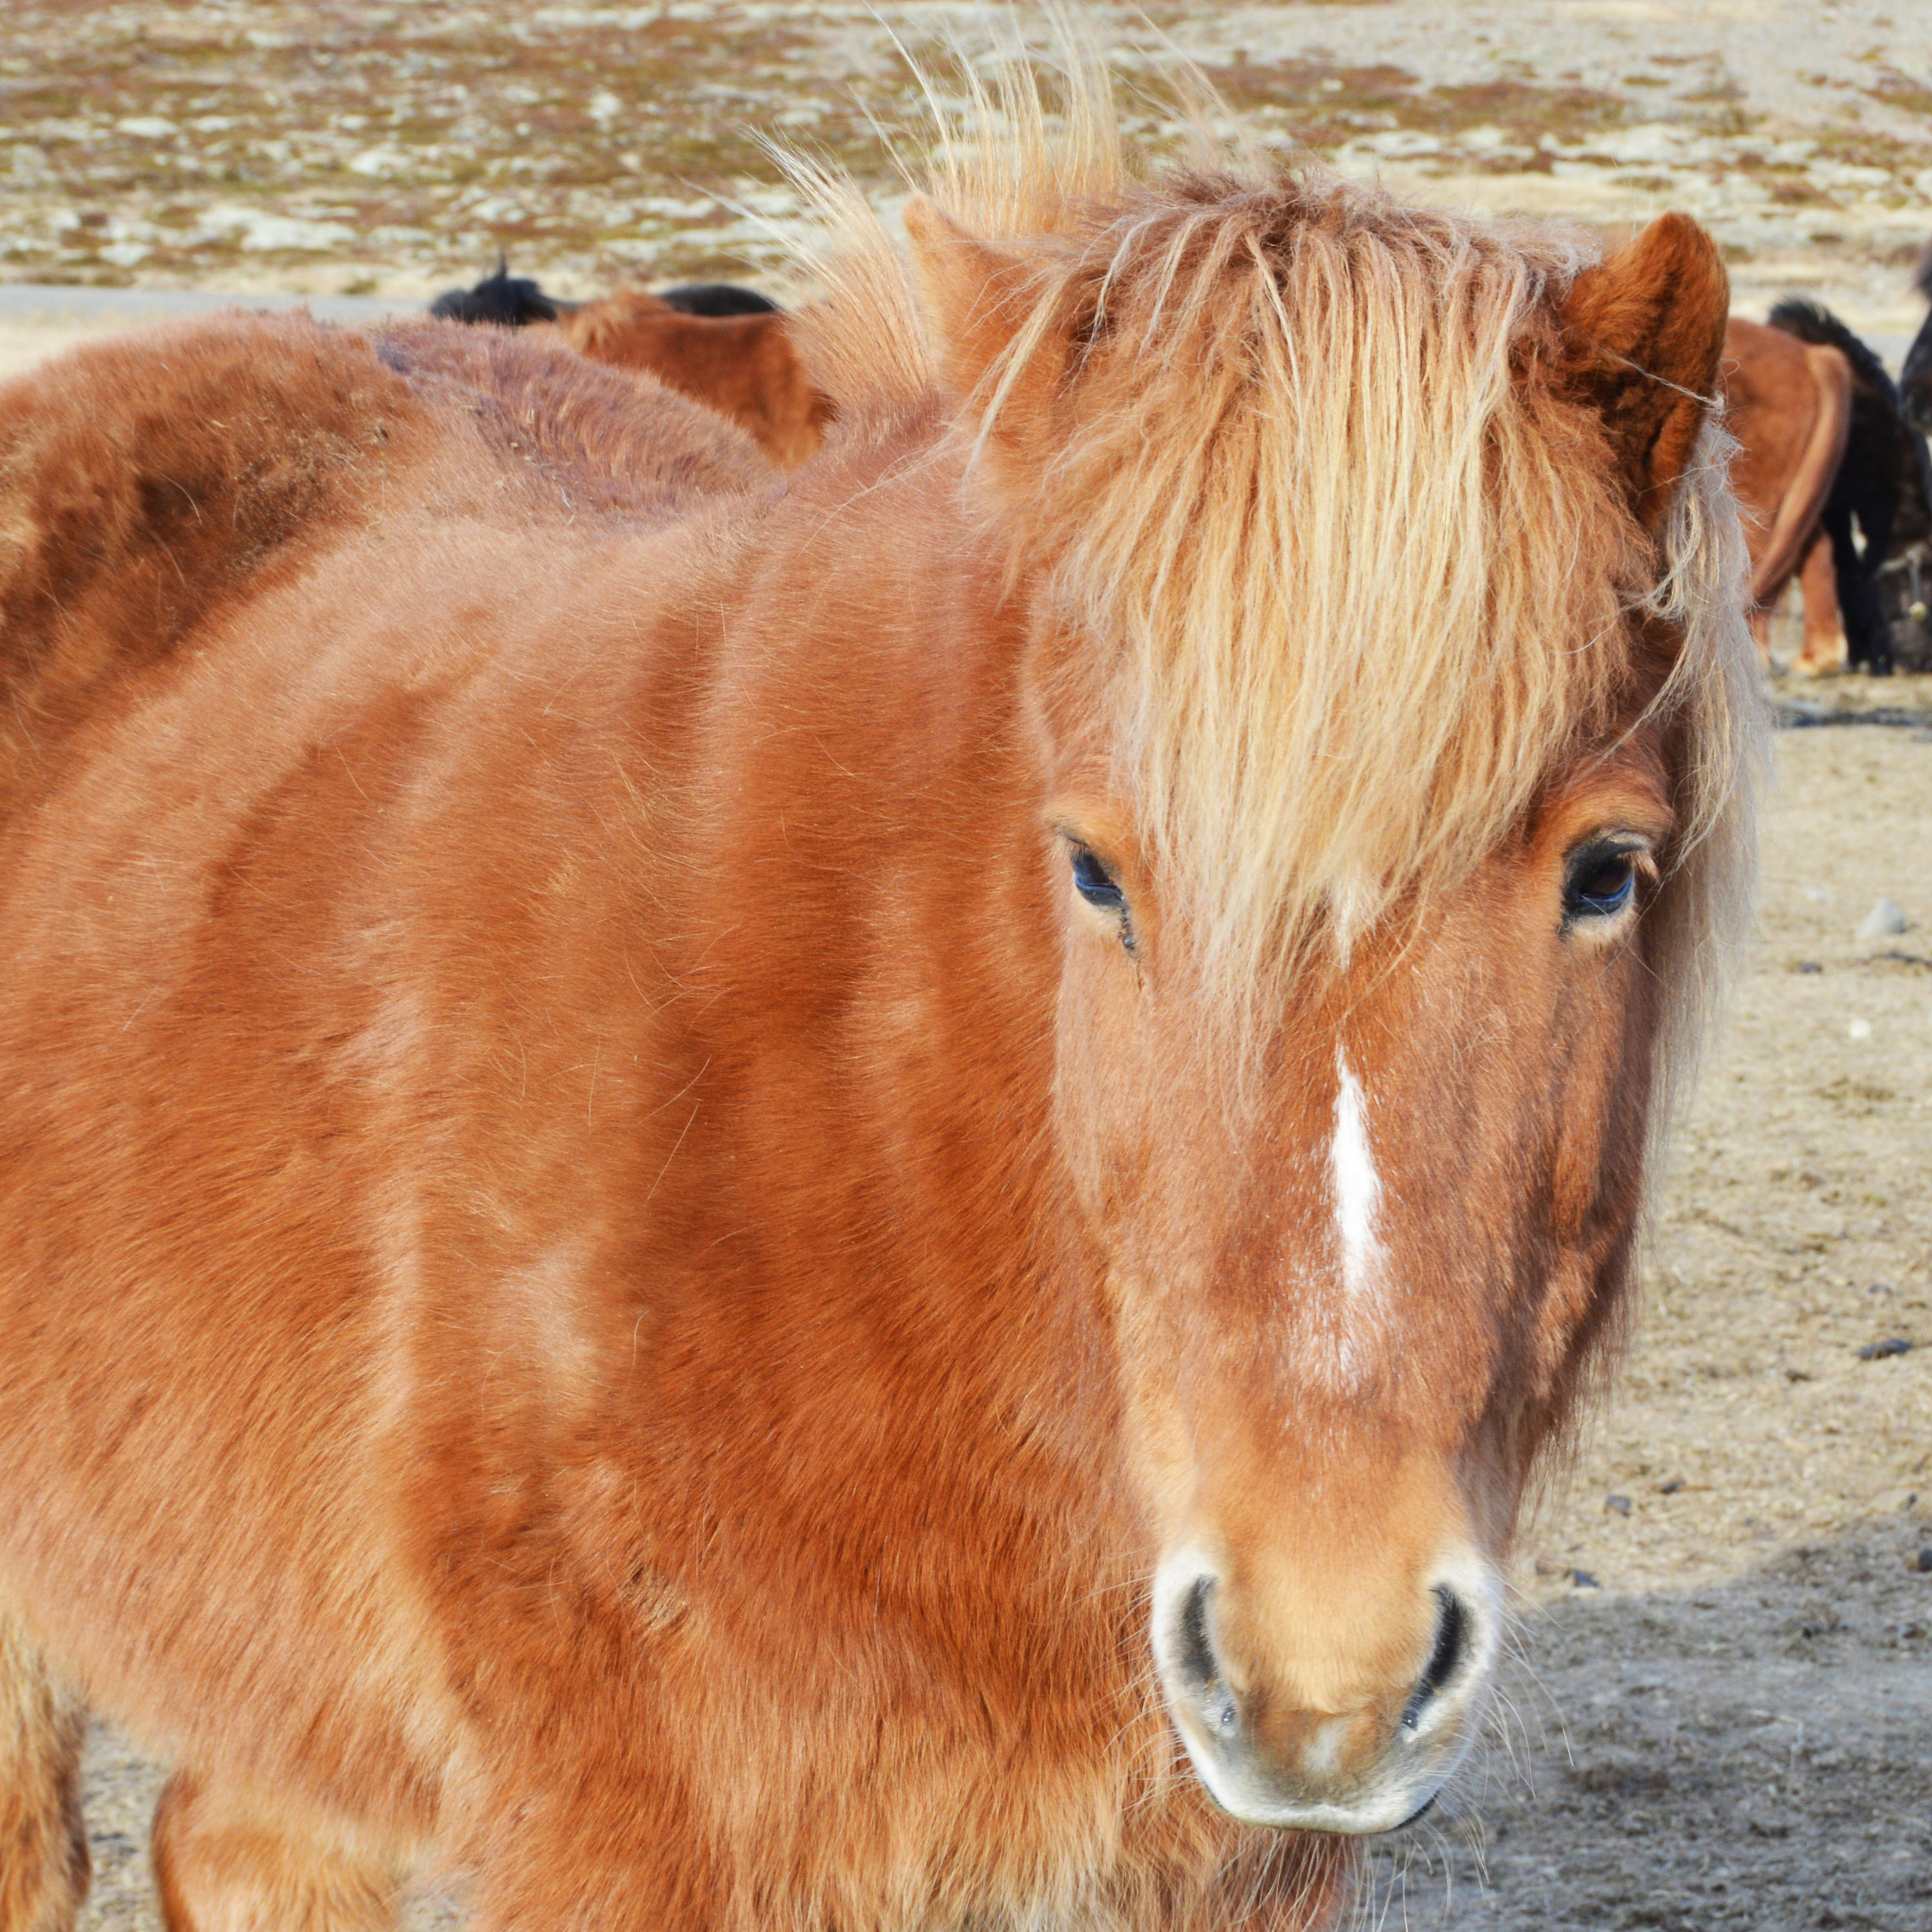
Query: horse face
x=1353 y=1290
x=1357 y=1234
x=1904 y=587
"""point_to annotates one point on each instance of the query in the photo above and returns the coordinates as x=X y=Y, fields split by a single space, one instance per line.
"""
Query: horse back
x=151 y=486
x=320 y=648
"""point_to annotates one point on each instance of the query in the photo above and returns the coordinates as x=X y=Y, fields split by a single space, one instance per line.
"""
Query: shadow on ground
x=1758 y=1755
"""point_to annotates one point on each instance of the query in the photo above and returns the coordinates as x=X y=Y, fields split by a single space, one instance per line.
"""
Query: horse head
x=1384 y=766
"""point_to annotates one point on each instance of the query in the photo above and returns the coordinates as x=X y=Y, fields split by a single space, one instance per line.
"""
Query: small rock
x=1886 y=920
x=1620 y=1504
x=1878 y=1351
x=1670 y=1488
x=1860 y=1029
x=1582 y=1579
x=1922 y=1562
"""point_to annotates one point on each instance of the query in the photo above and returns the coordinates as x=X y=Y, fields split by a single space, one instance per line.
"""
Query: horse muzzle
x=1283 y=1735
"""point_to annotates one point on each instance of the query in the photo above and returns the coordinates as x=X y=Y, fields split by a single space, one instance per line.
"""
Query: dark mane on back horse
x=852 y=1199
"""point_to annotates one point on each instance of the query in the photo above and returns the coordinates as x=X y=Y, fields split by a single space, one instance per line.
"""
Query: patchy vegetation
x=347 y=148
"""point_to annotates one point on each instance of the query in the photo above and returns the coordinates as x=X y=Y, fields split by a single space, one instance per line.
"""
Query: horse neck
x=872 y=795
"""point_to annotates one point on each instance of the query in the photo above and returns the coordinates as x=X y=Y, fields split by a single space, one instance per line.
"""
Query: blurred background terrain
x=352 y=148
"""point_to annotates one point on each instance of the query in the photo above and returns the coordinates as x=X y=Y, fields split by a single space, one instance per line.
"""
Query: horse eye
x=1092 y=881
x=1600 y=884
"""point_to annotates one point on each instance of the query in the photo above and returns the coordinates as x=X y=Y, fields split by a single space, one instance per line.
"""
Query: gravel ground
x=342 y=147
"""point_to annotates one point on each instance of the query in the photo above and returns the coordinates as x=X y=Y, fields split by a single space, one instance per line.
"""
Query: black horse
x=1915 y=379
x=1879 y=514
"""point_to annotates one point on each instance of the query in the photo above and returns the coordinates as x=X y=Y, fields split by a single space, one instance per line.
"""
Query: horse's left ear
x=1644 y=336
x=980 y=298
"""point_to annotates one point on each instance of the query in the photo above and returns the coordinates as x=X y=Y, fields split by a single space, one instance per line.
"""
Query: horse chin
x=1403 y=1794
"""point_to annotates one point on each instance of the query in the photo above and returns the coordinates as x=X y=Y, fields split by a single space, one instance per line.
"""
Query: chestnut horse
x=853 y=1201
x=1788 y=404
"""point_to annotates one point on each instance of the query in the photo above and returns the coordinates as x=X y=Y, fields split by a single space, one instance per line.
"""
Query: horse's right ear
x=979 y=299
x=1644 y=336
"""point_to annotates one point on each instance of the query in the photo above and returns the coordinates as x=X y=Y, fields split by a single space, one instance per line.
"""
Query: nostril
x=1452 y=1630
x=1197 y=1647
x=1199 y=1666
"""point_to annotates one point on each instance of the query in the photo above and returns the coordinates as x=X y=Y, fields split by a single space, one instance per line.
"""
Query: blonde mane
x=1360 y=573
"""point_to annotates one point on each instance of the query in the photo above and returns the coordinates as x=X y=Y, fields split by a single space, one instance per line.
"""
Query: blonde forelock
x=1356 y=572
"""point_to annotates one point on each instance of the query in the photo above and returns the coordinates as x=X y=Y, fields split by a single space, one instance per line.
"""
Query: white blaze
x=1357 y=1188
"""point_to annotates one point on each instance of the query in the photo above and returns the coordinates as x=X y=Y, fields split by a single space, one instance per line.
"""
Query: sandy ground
x=1720 y=1712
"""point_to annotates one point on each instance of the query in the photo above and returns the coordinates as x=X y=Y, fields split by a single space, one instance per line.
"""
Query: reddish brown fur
x=44 y=1864
x=743 y=366
x=607 y=1279
x=1789 y=405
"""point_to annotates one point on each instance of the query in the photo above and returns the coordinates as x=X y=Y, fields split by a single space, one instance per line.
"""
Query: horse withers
x=852 y=1200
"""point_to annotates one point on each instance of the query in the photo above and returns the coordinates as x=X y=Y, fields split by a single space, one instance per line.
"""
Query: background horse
x=1915 y=375
x=718 y=1192
x=742 y=364
x=514 y=301
x=1880 y=492
x=1788 y=404
x=728 y=348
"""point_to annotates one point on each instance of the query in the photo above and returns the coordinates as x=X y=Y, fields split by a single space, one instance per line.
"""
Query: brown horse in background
x=719 y=1190
x=746 y=367
x=729 y=347
x=1788 y=403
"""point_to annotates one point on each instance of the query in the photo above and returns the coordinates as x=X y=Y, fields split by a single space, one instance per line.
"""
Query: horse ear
x=977 y=295
x=1644 y=334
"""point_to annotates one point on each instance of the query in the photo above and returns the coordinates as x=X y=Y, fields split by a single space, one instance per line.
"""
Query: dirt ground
x=1719 y=1710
